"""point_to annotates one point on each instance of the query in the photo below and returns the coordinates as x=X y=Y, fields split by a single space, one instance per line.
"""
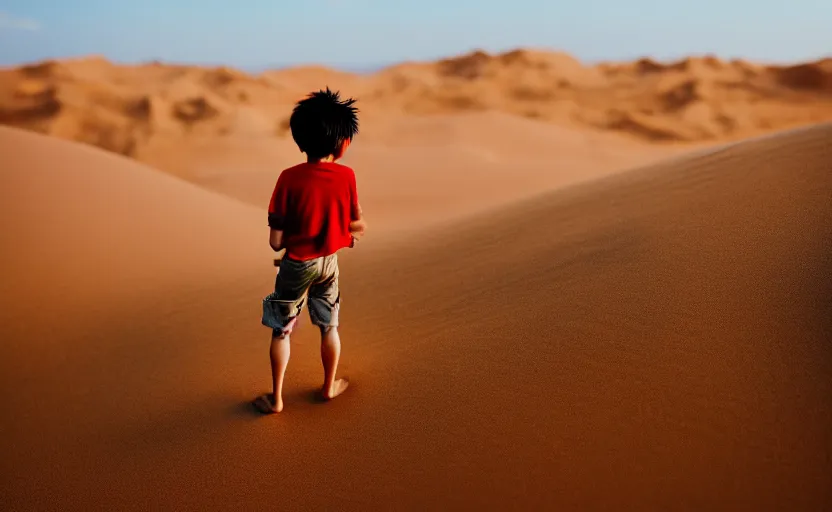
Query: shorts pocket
x=277 y=313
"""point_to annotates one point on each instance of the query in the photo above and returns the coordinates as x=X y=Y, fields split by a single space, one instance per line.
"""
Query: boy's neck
x=326 y=159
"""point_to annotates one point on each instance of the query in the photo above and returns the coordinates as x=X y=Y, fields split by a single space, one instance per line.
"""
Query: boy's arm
x=276 y=239
x=357 y=223
x=277 y=215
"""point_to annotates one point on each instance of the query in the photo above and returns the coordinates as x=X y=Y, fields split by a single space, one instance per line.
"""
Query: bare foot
x=266 y=405
x=338 y=387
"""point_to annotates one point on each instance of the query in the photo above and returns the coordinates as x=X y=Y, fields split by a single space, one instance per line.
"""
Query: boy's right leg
x=324 y=305
x=330 y=354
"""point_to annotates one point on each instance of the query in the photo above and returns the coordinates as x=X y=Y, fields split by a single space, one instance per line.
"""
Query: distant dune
x=414 y=170
x=656 y=339
x=141 y=111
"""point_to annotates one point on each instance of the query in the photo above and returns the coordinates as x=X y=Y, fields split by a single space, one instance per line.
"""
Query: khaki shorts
x=315 y=279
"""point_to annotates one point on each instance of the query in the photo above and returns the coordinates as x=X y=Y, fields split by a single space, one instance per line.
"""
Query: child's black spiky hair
x=322 y=122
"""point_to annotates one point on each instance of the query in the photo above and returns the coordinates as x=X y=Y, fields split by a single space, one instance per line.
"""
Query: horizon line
x=368 y=68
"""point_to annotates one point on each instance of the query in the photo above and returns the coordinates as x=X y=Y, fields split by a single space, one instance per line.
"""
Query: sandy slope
x=90 y=241
x=70 y=210
x=657 y=339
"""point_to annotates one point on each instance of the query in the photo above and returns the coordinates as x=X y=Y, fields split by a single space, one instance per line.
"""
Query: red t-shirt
x=313 y=204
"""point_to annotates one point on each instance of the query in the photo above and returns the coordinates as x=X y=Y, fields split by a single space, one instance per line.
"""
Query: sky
x=365 y=34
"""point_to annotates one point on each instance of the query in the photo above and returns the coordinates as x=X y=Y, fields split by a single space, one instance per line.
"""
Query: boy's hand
x=357 y=228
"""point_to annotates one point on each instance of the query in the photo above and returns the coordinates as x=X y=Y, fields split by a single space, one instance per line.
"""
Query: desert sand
x=546 y=313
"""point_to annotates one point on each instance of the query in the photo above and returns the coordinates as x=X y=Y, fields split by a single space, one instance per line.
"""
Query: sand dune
x=656 y=339
x=154 y=112
x=418 y=170
x=61 y=201
x=84 y=230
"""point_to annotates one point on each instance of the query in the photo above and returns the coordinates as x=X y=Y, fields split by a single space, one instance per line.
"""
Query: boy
x=313 y=213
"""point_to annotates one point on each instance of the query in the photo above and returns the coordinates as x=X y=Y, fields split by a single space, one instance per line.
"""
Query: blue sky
x=355 y=34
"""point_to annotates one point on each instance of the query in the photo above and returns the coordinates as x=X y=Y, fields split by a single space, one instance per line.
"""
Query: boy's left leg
x=281 y=311
x=279 y=354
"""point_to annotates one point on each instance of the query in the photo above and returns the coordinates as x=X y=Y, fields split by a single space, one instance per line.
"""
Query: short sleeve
x=277 y=205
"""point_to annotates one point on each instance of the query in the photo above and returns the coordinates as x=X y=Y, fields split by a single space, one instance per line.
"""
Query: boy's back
x=313 y=204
